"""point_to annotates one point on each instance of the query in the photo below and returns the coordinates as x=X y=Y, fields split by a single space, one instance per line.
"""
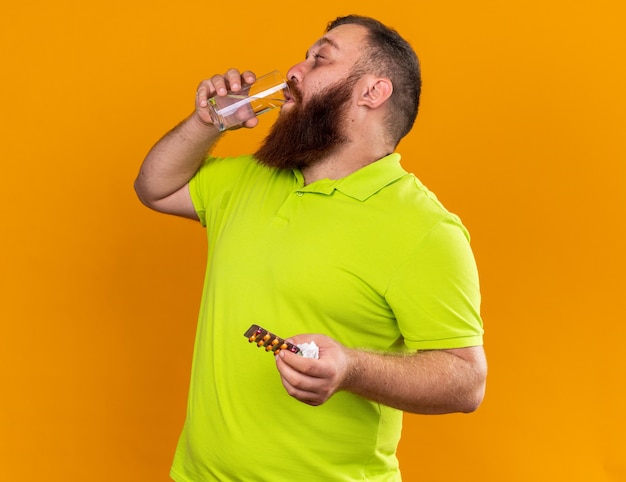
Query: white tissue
x=309 y=350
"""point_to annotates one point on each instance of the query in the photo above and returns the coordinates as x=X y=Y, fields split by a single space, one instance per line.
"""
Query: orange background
x=521 y=132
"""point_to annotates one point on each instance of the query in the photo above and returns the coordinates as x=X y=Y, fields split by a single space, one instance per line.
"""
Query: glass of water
x=235 y=108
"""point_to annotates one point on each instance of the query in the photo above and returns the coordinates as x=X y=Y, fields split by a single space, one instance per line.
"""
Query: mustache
x=294 y=90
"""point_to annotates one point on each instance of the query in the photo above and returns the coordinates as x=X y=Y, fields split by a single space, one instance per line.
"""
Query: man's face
x=313 y=123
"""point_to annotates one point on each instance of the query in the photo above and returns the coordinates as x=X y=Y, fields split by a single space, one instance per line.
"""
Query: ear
x=375 y=91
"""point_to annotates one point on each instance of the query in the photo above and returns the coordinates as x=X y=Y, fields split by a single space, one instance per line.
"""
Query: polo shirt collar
x=362 y=183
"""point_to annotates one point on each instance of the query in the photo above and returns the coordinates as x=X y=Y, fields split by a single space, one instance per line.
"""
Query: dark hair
x=392 y=56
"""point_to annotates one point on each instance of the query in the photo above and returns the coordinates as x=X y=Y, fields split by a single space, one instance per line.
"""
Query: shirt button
x=299 y=193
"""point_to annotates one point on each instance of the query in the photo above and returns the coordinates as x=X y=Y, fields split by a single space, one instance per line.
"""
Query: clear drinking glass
x=233 y=109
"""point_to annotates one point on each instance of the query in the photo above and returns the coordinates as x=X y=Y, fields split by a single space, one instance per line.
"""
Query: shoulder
x=415 y=209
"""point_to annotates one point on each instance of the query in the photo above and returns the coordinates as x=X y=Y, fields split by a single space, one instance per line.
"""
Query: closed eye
x=321 y=45
x=317 y=57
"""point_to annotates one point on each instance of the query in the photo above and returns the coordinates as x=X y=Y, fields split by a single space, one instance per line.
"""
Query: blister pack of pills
x=271 y=342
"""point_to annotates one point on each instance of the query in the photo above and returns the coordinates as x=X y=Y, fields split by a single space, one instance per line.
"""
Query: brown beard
x=309 y=131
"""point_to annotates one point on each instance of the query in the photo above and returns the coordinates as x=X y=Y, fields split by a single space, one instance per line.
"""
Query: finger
x=297 y=387
x=302 y=374
x=234 y=79
x=248 y=77
x=287 y=372
x=297 y=363
x=203 y=93
x=310 y=398
x=250 y=123
x=220 y=84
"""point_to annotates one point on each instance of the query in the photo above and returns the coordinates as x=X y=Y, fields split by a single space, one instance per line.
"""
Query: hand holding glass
x=235 y=108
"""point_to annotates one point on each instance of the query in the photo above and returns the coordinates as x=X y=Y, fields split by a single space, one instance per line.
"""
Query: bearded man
x=321 y=236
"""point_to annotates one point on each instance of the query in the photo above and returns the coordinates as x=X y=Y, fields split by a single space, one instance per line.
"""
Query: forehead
x=345 y=39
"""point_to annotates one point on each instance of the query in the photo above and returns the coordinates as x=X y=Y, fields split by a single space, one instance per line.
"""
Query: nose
x=296 y=73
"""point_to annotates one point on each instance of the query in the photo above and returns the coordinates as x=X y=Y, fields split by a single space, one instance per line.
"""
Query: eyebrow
x=320 y=43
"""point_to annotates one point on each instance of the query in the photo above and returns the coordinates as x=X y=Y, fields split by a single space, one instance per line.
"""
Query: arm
x=426 y=382
x=162 y=182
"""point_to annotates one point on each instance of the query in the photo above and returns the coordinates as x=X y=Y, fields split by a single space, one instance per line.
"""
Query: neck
x=336 y=167
x=366 y=145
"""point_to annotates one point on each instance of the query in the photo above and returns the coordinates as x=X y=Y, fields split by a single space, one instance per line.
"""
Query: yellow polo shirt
x=373 y=260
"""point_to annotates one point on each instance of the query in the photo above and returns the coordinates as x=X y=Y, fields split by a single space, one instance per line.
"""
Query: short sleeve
x=435 y=295
x=214 y=177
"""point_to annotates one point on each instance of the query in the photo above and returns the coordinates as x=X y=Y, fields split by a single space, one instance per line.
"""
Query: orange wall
x=521 y=133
